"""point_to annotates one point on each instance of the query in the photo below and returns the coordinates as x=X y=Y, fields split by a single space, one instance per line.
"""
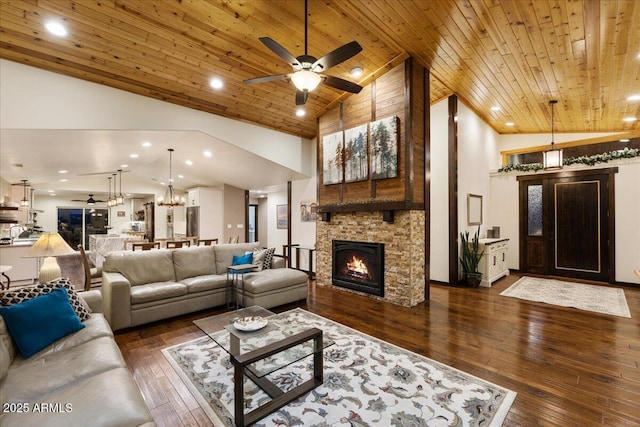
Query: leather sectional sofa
x=79 y=380
x=139 y=287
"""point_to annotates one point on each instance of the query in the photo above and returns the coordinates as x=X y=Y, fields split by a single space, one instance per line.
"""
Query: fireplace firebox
x=359 y=266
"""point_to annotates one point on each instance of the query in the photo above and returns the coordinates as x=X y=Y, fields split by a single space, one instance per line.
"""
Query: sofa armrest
x=278 y=262
x=93 y=299
x=116 y=295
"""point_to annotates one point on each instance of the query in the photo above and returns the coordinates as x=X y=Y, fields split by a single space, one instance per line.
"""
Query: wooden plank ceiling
x=513 y=54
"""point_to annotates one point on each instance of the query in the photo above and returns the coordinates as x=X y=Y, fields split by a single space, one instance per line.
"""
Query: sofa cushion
x=40 y=321
x=110 y=398
x=156 y=291
x=225 y=253
x=205 y=283
x=142 y=267
x=11 y=297
x=272 y=279
x=194 y=261
x=29 y=379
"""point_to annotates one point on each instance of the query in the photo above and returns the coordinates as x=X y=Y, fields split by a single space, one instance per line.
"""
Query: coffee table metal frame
x=242 y=365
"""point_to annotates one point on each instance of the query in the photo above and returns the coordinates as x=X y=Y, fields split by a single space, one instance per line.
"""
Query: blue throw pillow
x=242 y=259
x=38 y=322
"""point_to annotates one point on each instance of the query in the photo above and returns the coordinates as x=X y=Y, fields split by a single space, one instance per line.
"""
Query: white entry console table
x=493 y=264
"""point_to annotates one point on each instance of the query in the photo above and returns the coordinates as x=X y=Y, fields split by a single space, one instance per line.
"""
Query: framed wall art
x=281 y=216
x=308 y=210
x=383 y=148
x=332 y=158
x=356 y=159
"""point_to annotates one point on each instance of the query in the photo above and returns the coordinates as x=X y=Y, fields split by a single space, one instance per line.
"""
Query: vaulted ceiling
x=513 y=54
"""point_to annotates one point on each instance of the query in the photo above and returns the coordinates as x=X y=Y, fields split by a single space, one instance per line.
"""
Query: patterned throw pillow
x=11 y=297
x=268 y=257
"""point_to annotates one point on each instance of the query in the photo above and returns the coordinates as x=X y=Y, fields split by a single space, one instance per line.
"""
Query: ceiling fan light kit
x=306 y=68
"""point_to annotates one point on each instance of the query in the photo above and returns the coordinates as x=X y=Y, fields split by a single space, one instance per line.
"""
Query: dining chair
x=146 y=246
x=177 y=244
x=234 y=239
x=207 y=242
x=90 y=273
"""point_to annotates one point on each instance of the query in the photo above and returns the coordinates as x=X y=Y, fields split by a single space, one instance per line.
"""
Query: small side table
x=234 y=271
x=3 y=270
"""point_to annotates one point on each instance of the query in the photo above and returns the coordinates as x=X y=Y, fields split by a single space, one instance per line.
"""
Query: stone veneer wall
x=404 y=248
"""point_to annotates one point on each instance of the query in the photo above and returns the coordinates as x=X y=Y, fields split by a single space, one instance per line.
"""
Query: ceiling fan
x=306 y=68
x=89 y=201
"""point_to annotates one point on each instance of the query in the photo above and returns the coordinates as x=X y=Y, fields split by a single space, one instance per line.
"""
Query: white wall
x=439 y=193
x=477 y=144
x=61 y=102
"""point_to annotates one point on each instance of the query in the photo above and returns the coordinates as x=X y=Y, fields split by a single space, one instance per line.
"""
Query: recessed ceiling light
x=49 y=191
x=63 y=171
x=163 y=183
x=188 y=162
x=63 y=180
x=624 y=140
x=128 y=194
x=56 y=28
x=124 y=166
x=52 y=194
x=495 y=108
x=133 y=156
x=216 y=83
x=629 y=119
x=207 y=153
x=300 y=112
x=356 y=72
x=633 y=98
x=146 y=144
x=180 y=176
x=509 y=124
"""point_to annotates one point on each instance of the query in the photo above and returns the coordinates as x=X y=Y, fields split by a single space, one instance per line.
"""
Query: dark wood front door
x=566 y=225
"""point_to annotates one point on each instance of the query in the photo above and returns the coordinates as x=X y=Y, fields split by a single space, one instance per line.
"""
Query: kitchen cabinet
x=23 y=270
x=493 y=264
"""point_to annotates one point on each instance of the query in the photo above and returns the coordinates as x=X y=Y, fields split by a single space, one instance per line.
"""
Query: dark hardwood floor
x=569 y=367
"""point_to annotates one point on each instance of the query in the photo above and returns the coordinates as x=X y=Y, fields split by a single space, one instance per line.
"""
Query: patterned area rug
x=601 y=299
x=367 y=382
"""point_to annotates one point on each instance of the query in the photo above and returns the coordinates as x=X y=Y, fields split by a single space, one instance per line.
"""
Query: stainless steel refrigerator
x=193 y=220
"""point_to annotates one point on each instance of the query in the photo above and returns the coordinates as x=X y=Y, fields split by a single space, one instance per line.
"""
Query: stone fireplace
x=358 y=266
x=403 y=254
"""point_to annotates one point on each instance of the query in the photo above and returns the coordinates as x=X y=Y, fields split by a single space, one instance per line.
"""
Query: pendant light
x=170 y=197
x=120 y=197
x=25 y=201
x=552 y=158
x=109 y=200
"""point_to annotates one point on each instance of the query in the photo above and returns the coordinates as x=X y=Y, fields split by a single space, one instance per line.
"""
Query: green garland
x=626 y=153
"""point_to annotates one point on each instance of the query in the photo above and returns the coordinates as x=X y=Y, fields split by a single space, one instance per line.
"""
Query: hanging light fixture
x=110 y=199
x=170 y=197
x=552 y=158
x=120 y=197
x=25 y=201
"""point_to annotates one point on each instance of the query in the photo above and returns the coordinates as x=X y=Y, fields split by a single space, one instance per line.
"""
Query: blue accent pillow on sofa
x=38 y=322
x=240 y=260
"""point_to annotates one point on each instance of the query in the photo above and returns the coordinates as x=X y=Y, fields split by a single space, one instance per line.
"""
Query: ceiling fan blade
x=338 y=56
x=301 y=97
x=267 y=78
x=100 y=173
x=280 y=51
x=342 y=84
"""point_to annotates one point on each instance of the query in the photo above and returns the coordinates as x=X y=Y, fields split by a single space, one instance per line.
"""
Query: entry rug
x=601 y=299
x=367 y=382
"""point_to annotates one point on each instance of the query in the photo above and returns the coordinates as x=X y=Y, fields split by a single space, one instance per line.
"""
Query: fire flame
x=358 y=266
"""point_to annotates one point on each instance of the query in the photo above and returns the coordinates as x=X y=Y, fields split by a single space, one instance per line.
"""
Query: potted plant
x=470 y=259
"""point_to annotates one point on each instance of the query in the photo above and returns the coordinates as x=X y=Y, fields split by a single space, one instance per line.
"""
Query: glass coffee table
x=257 y=353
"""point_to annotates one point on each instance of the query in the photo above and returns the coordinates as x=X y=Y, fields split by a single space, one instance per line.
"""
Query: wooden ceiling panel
x=513 y=54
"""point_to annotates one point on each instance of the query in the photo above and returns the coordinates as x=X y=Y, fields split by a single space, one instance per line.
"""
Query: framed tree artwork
x=383 y=148
x=332 y=158
x=356 y=161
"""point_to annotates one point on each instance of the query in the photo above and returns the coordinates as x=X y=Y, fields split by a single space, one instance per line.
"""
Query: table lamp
x=49 y=246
